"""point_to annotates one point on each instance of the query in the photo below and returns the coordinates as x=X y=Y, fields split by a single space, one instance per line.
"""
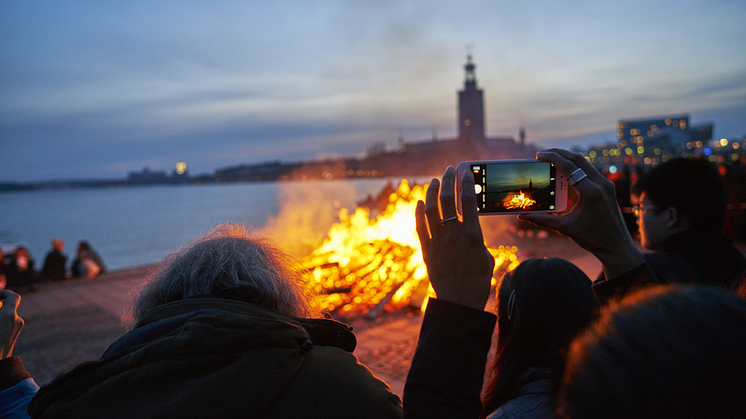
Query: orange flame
x=519 y=201
x=370 y=265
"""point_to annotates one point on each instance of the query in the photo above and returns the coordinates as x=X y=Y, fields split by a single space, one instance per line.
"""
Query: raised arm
x=445 y=379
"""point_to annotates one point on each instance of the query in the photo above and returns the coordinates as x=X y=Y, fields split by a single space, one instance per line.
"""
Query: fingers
x=469 y=202
x=448 y=194
x=9 y=300
x=432 y=213
x=421 y=226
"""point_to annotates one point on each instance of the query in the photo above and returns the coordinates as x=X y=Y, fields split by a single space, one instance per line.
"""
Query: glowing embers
x=518 y=201
x=366 y=266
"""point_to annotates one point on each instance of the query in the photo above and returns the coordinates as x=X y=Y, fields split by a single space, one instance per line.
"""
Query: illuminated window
x=622 y=143
x=620 y=135
x=698 y=144
x=467 y=122
x=654 y=128
x=640 y=150
x=606 y=153
x=657 y=151
x=723 y=142
x=668 y=121
x=736 y=146
x=650 y=133
x=592 y=154
x=648 y=160
x=181 y=168
x=621 y=125
x=628 y=150
x=634 y=131
x=682 y=124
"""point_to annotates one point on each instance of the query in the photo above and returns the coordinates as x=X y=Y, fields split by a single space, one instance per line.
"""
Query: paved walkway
x=74 y=321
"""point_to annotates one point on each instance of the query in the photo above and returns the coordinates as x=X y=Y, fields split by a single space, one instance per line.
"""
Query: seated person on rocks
x=541 y=306
x=681 y=210
x=16 y=385
x=54 y=263
x=667 y=352
x=88 y=263
x=447 y=372
x=225 y=328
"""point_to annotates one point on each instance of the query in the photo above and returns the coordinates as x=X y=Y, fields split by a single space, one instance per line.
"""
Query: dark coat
x=217 y=358
x=54 y=266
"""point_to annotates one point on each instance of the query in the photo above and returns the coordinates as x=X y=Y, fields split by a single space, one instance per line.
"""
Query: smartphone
x=515 y=186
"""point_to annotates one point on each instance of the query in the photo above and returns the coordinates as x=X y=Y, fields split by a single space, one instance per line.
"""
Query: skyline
x=96 y=90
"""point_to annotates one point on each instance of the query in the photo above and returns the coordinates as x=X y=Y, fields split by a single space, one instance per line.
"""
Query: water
x=137 y=226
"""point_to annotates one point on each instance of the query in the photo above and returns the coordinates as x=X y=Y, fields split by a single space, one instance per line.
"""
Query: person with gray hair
x=226 y=327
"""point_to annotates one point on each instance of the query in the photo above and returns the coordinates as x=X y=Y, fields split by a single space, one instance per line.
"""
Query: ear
x=675 y=220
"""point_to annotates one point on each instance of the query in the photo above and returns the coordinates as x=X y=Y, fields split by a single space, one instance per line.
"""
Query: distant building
x=653 y=140
x=426 y=158
x=470 y=107
x=147 y=176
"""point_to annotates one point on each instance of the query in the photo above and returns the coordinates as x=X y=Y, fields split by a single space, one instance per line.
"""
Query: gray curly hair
x=229 y=262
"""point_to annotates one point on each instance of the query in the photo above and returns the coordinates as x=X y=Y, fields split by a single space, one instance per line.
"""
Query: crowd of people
x=227 y=327
x=18 y=272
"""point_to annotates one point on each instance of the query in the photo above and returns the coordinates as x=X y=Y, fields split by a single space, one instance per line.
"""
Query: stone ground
x=76 y=320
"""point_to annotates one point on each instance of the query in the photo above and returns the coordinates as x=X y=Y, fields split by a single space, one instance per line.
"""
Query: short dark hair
x=553 y=301
x=663 y=352
x=693 y=187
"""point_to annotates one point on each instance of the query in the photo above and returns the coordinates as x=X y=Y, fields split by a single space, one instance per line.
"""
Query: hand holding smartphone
x=515 y=186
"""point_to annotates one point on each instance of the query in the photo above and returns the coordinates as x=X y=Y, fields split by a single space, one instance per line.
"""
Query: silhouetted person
x=681 y=210
x=541 y=306
x=54 y=264
x=668 y=352
x=226 y=327
x=21 y=274
x=88 y=263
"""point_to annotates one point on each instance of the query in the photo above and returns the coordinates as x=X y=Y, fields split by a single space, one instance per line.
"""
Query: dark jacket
x=688 y=257
x=54 y=266
x=702 y=257
x=217 y=358
x=535 y=399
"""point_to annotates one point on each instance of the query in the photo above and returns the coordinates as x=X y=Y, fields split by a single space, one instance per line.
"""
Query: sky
x=503 y=177
x=96 y=89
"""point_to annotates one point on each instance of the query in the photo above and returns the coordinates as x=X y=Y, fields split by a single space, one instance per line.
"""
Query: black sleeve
x=12 y=372
x=628 y=281
x=447 y=372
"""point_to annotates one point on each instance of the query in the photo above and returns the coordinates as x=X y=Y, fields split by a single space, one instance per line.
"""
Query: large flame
x=518 y=201
x=370 y=265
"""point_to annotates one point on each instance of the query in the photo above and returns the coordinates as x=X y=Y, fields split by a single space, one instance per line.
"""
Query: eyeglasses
x=638 y=209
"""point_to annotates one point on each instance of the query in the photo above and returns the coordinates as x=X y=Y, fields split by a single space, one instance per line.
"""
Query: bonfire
x=518 y=201
x=366 y=266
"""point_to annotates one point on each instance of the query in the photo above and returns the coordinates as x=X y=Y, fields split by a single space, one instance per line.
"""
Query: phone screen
x=514 y=186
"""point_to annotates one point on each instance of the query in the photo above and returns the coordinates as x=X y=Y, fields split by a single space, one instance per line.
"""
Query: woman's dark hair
x=552 y=300
x=662 y=352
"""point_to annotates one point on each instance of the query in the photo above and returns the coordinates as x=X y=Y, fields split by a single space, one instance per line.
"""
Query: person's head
x=678 y=195
x=663 y=352
x=21 y=252
x=83 y=245
x=58 y=245
x=229 y=262
x=541 y=306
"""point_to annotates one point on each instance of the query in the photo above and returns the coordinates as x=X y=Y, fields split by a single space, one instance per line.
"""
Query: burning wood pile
x=366 y=266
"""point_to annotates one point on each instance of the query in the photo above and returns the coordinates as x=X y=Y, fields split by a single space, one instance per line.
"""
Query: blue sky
x=97 y=89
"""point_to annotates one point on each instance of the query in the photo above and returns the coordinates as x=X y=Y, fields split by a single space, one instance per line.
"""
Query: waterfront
x=138 y=226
